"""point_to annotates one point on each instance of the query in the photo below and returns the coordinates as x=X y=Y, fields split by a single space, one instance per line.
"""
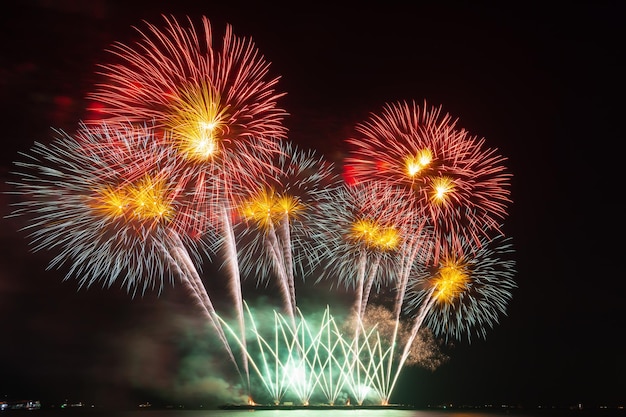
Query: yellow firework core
x=451 y=280
x=268 y=207
x=416 y=163
x=259 y=208
x=364 y=230
x=198 y=122
x=111 y=202
x=288 y=205
x=388 y=239
x=375 y=235
x=147 y=199
x=441 y=189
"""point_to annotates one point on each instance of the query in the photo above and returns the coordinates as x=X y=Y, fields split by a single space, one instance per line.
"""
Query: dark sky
x=542 y=85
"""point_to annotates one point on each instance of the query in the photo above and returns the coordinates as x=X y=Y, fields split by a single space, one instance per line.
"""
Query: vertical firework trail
x=235 y=283
x=392 y=380
x=190 y=277
x=415 y=249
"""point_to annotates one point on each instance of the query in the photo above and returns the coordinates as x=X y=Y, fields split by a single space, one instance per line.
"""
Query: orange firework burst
x=146 y=200
x=451 y=280
x=268 y=207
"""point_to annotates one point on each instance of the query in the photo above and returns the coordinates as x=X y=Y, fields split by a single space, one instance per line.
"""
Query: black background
x=543 y=85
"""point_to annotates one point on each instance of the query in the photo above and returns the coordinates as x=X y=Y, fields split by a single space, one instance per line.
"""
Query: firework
x=458 y=182
x=121 y=202
x=107 y=202
x=279 y=218
x=465 y=293
x=315 y=362
x=469 y=289
x=104 y=199
x=312 y=361
x=371 y=228
x=214 y=101
x=179 y=77
x=378 y=239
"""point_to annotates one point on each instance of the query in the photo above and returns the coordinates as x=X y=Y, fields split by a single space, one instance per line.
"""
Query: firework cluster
x=188 y=162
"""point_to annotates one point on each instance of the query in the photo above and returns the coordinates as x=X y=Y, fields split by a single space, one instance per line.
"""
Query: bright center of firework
x=288 y=205
x=143 y=200
x=150 y=201
x=198 y=122
x=375 y=235
x=268 y=207
x=204 y=144
x=442 y=187
x=111 y=202
x=415 y=163
x=451 y=280
x=388 y=238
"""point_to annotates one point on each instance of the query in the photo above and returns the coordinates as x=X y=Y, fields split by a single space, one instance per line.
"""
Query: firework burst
x=369 y=228
x=457 y=182
x=467 y=292
x=203 y=92
x=279 y=217
x=216 y=103
x=106 y=200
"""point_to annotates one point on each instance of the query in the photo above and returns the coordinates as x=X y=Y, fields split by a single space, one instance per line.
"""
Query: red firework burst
x=214 y=102
x=460 y=184
x=178 y=78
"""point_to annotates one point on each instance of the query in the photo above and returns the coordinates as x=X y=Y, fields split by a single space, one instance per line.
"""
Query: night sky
x=542 y=85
